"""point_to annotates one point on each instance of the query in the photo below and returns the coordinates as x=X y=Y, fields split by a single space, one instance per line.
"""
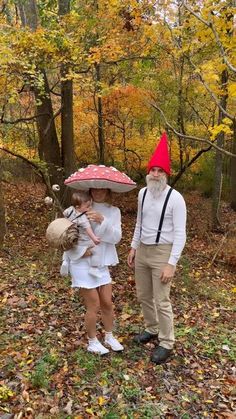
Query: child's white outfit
x=82 y=222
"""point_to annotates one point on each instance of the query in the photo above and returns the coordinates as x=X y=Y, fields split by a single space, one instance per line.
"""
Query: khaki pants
x=153 y=295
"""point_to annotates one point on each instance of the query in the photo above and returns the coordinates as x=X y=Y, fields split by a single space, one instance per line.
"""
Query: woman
x=106 y=223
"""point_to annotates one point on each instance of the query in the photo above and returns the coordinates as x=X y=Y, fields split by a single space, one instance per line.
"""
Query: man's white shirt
x=174 y=225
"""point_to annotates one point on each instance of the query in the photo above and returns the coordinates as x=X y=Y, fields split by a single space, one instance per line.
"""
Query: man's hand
x=167 y=273
x=131 y=257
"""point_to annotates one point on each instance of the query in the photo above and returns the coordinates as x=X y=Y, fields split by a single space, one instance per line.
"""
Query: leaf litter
x=45 y=370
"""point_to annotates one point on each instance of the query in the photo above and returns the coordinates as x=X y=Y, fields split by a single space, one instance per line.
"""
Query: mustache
x=154 y=178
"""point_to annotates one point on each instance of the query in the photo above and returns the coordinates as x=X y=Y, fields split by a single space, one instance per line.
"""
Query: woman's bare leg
x=105 y=295
x=92 y=304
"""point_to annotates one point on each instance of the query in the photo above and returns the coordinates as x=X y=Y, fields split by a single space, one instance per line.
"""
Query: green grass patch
x=222 y=346
x=48 y=363
x=89 y=363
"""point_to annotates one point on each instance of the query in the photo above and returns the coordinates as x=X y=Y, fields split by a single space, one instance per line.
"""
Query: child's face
x=85 y=206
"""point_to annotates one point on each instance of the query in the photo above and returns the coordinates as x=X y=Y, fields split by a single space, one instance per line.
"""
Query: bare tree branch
x=51 y=120
x=197 y=113
x=191 y=137
x=195 y=14
x=16 y=121
x=39 y=172
x=222 y=50
x=135 y=153
x=34 y=165
x=189 y=164
x=135 y=58
x=215 y=33
x=214 y=97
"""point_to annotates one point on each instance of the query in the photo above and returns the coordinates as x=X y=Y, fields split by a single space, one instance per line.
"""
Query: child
x=76 y=213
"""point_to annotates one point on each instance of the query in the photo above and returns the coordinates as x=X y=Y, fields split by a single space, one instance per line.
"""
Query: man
x=158 y=240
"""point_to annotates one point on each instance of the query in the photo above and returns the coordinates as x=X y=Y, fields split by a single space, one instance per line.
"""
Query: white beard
x=156 y=186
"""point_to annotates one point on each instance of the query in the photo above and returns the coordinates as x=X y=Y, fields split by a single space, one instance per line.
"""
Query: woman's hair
x=109 y=197
x=80 y=197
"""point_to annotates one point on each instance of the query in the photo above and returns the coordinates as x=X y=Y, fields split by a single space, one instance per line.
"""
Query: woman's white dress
x=109 y=232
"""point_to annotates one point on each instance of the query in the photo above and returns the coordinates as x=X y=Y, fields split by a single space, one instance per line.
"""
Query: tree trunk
x=28 y=13
x=49 y=150
x=233 y=171
x=179 y=75
x=67 y=128
x=2 y=218
x=63 y=7
x=67 y=131
x=180 y=111
x=217 y=185
x=67 y=125
x=101 y=140
x=219 y=159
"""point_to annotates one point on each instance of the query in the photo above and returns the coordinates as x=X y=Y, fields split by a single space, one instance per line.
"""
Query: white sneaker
x=97 y=348
x=113 y=343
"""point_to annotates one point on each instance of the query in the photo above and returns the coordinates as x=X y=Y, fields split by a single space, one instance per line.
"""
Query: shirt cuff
x=135 y=245
x=173 y=260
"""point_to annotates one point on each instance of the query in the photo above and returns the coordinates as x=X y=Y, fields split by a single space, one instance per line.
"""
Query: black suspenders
x=162 y=214
x=141 y=221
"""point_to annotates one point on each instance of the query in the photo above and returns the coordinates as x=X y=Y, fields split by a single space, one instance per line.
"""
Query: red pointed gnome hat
x=160 y=157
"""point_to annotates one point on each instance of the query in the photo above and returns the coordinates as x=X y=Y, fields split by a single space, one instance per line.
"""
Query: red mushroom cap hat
x=101 y=176
x=160 y=157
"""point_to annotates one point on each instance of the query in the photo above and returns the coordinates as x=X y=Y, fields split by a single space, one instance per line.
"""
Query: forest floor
x=45 y=369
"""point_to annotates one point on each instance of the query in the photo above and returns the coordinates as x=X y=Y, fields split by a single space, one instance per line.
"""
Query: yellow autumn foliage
x=217 y=129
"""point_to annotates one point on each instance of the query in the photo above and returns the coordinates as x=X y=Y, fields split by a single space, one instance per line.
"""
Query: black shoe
x=144 y=337
x=160 y=355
